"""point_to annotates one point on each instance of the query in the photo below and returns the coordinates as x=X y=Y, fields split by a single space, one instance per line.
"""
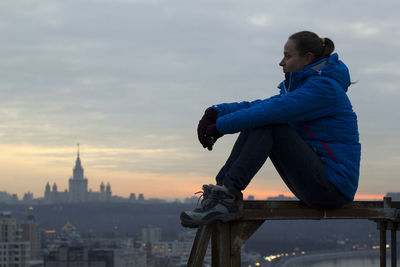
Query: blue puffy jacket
x=314 y=102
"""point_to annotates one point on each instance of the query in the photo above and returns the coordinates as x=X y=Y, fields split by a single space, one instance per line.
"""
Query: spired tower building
x=78 y=184
x=78 y=189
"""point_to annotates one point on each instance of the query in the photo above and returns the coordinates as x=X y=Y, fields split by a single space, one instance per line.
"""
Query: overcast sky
x=129 y=80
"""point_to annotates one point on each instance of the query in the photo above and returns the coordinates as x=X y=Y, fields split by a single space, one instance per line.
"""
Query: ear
x=309 y=58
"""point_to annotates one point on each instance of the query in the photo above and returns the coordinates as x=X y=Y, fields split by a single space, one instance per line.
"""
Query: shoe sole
x=186 y=222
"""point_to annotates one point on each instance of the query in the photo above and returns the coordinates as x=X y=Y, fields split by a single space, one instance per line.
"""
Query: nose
x=282 y=63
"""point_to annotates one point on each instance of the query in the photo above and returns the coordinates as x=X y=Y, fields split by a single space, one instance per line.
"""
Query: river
x=341 y=259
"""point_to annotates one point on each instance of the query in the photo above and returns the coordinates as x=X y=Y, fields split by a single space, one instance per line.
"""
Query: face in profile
x=292 y=60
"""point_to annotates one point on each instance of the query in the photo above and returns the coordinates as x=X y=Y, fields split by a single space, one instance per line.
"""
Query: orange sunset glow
x=28 y=168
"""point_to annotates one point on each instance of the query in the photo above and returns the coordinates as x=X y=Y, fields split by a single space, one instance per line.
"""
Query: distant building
x=171 y=248
x=177 y=252
x=281 y=197
x=8 y=198
x=28 y=197
x=83 y=256
x=129 y=257
x=30 y=232
x=79 y=256
x=14 y=251
x=78 y=184
x=394 y=195
x=54 y=196
x=151 y=234
x=78 y=189
x=70 y=233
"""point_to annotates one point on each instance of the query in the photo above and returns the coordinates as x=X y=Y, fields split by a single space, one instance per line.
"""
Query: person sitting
x=309 y=131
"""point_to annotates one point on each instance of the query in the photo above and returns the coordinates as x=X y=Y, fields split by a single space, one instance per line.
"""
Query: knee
x=280 y=129
x=274 y=129
x=263 y=130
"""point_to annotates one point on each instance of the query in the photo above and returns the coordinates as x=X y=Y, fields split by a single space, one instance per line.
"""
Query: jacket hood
x=330 y=67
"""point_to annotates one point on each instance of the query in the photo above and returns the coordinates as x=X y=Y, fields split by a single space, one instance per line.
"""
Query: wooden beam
x=393 y=242
x=241 y=231
x=382 y=229
x=221 y=245
x=200 y=245
x=295 y=204
x=292 y=210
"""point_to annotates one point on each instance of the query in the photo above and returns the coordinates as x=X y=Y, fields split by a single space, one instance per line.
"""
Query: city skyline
x=130 y=79
x=78 y=172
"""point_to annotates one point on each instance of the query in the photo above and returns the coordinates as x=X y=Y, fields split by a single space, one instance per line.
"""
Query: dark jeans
x=298 y=165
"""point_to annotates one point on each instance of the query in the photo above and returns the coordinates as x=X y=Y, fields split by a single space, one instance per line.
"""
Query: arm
x=227 y=108
x=316 y=98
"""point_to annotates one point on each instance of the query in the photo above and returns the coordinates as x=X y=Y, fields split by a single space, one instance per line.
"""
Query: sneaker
x=220 y=205
x=205 y=198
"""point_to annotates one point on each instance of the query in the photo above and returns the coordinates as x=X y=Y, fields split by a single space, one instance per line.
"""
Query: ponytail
x=328 y=45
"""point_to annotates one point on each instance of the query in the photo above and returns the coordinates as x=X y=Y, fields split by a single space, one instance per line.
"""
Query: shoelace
x=205 y=193
x=215 y=197
x=200 y=197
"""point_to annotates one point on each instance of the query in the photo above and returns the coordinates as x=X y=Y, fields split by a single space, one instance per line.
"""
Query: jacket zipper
x=290 y=81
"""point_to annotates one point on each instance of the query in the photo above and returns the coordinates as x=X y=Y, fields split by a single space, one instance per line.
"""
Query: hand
x=209 y=117
x=212 y=135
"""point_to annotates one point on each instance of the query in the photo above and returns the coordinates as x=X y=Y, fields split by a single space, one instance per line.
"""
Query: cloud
x=261 y=20
x=365 y=29
x=132 y=78
x=383 y=69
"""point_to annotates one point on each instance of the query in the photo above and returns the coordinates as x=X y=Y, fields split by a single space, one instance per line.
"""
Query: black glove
x=212 y=135
x=209 y=117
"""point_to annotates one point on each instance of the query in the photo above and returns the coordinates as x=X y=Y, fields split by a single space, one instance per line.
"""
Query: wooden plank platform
x=228 y=238
x=296 y=210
